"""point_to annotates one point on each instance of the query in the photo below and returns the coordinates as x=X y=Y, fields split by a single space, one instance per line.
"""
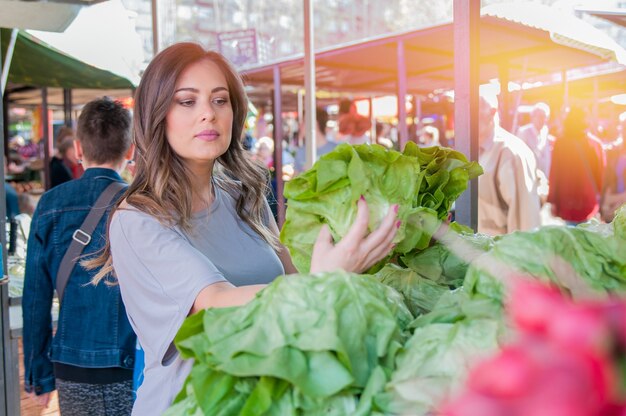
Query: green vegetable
x=420 y=294
x=579 y=260
x=304 y=345
x=446 y=261
x=619 y=223
x=434 y=363
x=423 y=182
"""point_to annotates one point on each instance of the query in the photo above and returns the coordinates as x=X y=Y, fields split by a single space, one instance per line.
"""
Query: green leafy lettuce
x=580 y=260
x=420 y=294
x=424 y=182
x=304 y=345
x=435 y=361
x=446 y=262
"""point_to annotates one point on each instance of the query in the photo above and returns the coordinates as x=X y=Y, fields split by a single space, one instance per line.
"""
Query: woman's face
x=200 y=118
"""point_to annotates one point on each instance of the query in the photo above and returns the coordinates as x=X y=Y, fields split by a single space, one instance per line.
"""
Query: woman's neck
x=201 y=186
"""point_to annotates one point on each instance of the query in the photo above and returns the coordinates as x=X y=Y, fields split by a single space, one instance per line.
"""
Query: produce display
x=406 y=338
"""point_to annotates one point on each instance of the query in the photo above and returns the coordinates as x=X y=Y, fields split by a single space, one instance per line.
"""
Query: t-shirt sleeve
x=160 y=275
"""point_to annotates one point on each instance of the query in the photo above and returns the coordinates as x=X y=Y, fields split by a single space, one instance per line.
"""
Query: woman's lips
x=208 y=135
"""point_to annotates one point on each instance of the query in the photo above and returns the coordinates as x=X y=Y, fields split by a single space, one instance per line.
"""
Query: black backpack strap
x=82 y=236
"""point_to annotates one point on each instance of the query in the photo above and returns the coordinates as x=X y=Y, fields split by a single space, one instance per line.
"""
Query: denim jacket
x=93 y=330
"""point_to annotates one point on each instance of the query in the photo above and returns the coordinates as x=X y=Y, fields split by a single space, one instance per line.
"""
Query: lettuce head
x=424 y=182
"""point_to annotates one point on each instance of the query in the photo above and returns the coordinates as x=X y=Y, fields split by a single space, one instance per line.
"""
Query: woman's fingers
x=324 y=239
x=384 y=234
x=358 y=230
x=357 y=251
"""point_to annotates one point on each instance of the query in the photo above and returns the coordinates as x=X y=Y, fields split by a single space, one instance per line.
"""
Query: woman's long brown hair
x=162 y=186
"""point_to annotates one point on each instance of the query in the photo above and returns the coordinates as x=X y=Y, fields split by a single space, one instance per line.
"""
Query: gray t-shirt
x=161 y=271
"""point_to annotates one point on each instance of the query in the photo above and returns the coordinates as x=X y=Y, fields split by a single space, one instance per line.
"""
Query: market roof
x=37 y=63
x=510 y=34
x=600 y=87
x=617 y=16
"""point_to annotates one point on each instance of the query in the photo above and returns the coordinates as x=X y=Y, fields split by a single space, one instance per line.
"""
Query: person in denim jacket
x=89 y=359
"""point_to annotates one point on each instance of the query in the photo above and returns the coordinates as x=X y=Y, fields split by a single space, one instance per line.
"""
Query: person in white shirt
x=507 y=192
x=535 y=134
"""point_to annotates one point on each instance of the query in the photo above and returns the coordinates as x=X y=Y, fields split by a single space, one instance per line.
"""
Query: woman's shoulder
x=130 y=217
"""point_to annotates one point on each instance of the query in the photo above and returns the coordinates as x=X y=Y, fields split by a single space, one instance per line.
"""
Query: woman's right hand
x=357 y=251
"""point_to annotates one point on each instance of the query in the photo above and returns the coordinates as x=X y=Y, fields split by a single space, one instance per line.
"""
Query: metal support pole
x=7 y=60
x=47 y=142
x=373 y=135
x=596 y=107
x=418 y=111
x=278 y=146
x=466 y=81
x=300 y=104
x=505 y=98
x=565 y=90
x=9 y=375
x=5 y=117
x=67 y=106
x=155 y=27
x=402 y=82
x=310 y=141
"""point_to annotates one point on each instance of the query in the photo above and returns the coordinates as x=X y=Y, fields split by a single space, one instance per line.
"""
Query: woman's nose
x=208 y=113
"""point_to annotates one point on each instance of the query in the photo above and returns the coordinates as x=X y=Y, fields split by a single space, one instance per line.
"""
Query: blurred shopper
x=89 y=359
x=381 y=135
x=322 y=143
x=614 y=194
x=60 y=170
x=507 y=191
x=576 y=171
x=67 y=134
x=429 y=136
x=536 y=135
x=353 y=127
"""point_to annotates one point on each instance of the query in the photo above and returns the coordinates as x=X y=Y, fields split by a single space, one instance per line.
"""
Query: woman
x=90 y=358
x=576 y=171
x=188 y=236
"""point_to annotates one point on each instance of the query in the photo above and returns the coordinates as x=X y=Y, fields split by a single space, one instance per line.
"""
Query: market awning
x=37 y=63
x=617 y=16
x=40 y=15
x=526 y=48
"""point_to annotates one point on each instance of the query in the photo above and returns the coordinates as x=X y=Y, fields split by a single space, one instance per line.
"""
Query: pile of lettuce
x=304 y=345
x=424 y=182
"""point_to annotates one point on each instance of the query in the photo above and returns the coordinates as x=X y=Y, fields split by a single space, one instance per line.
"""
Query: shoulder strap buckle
x=81 y=237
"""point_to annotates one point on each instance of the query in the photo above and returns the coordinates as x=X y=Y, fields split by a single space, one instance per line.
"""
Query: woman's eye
x=186 y=103
x=220 y=101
